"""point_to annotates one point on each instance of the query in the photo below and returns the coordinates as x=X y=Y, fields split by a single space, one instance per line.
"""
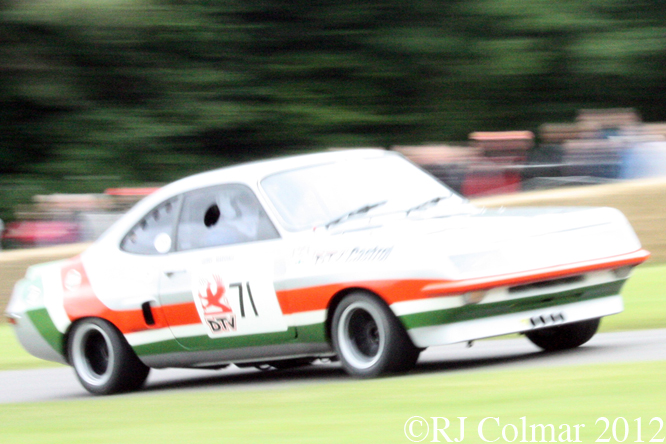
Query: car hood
x=495 y=241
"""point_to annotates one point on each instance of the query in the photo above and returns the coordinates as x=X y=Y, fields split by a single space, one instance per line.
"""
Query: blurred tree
x=120 y=92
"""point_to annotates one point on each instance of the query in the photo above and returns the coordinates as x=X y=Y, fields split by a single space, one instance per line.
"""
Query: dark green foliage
x=122 y=92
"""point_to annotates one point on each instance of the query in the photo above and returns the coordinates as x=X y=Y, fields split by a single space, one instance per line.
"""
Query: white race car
x=356 y=254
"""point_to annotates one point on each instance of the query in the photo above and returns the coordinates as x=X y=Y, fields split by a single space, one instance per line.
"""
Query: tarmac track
x=57 y=384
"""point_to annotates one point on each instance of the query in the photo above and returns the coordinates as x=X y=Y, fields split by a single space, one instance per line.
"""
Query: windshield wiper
x=362 y=210
x=427 y=203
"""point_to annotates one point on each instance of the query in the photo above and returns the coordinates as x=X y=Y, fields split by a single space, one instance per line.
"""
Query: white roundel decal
x=72 y=279
x=162 y=243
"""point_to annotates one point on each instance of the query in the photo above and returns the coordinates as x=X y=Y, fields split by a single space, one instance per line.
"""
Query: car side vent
x=148 y=313
x=545 y=284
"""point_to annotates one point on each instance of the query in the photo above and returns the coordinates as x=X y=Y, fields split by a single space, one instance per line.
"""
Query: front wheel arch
x=333 y=305
x=368 y=337
x=335 y=301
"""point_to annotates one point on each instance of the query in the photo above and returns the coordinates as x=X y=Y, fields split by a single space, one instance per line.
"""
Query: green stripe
x=158 y=348
x=312 y=333
x=42 y=321
x=40 y=317
x=469 y=312
x=306 y=334
x=198 y=343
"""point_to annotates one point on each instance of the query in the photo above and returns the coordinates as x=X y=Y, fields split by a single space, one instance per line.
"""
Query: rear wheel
x=565 y=336
x=369 y=339
x=103 y=360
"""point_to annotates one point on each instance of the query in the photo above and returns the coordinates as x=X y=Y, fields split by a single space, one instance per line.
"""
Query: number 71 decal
x=239 y=285
x=217 y=305
x=246 y=306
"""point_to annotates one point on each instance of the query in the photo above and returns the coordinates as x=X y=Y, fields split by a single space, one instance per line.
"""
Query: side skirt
x=211 y=358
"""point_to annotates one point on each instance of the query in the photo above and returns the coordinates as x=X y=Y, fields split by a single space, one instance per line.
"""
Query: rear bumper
x=34 y=341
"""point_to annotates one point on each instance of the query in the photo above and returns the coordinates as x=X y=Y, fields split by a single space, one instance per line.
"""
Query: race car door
x=216 y=286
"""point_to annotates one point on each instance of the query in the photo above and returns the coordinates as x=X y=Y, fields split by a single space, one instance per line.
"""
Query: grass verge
x=644 y=301
x=363 y=411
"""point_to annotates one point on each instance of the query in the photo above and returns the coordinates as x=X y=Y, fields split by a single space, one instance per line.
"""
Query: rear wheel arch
x=102 y=358
x=66 y=336
x=71 y=328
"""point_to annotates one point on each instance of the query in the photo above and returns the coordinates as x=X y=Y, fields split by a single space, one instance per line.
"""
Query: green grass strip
x=358 y=411
x=644 y=301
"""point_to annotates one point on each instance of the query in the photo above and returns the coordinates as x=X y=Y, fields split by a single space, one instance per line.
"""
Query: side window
x=153 y=234
x=222 y=215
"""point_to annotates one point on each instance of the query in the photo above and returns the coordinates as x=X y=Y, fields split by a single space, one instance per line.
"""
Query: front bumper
x=515 y=322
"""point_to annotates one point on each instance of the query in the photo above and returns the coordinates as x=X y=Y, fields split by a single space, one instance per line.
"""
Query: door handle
x=171 y=273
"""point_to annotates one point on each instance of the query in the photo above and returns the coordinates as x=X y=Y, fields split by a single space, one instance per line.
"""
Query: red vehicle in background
x=67 y=218
x=39 y=233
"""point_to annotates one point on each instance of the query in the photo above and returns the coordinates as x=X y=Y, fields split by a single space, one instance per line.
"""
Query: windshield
x=314 y=196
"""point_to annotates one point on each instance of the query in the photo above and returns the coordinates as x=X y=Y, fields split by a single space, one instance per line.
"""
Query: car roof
x=250 y=173
x=253 y=172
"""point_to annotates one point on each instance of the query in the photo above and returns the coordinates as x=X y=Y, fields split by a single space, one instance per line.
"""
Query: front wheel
x=103 y=360
x=565 y=336
x=369 y=339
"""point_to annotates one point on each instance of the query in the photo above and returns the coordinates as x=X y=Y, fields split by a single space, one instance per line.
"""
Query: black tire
x=565 y=336
x=369 y=339
x=103 y=360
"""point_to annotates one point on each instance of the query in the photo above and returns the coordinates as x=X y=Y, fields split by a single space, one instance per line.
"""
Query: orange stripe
x=457 y=287
x=81 y=302
x=318 y=298
x=392 y=291
x=182 y=314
